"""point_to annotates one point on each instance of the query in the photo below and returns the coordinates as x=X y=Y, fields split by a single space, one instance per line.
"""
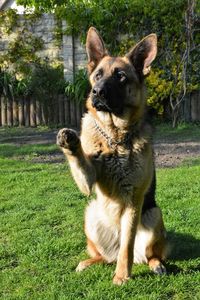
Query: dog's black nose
x=98 y=92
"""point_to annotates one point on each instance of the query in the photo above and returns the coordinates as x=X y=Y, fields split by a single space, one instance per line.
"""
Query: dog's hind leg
x=156 y=250
x=156 y=266
x=95 y=257
x=88 y=262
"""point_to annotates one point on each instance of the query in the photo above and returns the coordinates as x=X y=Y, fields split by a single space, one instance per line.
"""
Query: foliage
x=43 y=81
x=23 y=46
x=46 y=82
x=22 y=71
x=78 y=89
x=158 y=89
x=8 y=21
x=6 y=84
x=17 y=62
x=12 y=87
x=121 y=22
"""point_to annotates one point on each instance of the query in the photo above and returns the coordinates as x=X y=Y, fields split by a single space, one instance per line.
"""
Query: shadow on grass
x=184 y=247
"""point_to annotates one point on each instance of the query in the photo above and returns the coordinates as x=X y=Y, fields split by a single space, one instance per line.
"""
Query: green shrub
x=133 y=19
x=122 y=23
x=46 y=81
x=79 y=89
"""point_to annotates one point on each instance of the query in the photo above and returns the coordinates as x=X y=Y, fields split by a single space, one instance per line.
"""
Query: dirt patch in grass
x=167 y=155
x=170 y=151
x=173 y=154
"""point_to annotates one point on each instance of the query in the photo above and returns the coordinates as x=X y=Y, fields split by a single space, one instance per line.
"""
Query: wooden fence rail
x=31 y=113
x=63 y=112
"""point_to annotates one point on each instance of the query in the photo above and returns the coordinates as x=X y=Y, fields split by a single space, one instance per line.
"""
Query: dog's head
x=117 y=82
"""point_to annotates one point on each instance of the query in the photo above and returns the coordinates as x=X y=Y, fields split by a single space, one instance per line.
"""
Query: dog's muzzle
x=99 y=99
x=100 y=105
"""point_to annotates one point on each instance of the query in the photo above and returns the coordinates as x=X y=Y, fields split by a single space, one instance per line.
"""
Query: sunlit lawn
x=42 y=240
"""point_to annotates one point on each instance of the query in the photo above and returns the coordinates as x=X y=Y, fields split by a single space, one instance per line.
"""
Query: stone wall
x=44 y=28
x=69 y=50
x=73 y=54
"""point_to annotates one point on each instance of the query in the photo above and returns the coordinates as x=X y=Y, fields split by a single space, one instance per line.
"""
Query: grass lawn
x=184 y=132
x=42 y=240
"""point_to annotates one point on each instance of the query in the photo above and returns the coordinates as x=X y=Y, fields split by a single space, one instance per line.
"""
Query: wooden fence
x=31 y=113
x=191 y=107
x=62 y=112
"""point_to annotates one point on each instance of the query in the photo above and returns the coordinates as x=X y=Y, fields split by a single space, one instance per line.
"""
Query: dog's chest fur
x=120 y=169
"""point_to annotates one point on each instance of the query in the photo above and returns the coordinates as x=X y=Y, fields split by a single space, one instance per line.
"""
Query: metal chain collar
x=113 y=143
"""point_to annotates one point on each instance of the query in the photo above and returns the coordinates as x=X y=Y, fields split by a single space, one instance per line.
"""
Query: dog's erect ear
x=143 y=54
x=95 y=48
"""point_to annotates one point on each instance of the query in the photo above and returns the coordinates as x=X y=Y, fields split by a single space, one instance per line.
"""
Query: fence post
x=67 y=110
x=73 y=113
x=3 y=111
x=15 y=113
x=0 y=112
x=38 y=113
x=45 y=114
x=187 y=108
x=32 y=112
x=61 y=110
x=195 y=106
x=55 y=109
x=21 y=111
x=78 y=114
x=9 y=111
x=27 y=112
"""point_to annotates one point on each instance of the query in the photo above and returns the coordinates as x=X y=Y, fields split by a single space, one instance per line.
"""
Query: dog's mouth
x=100 y=105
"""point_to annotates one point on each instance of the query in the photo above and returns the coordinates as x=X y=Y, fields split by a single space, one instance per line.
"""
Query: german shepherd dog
x=114 y=156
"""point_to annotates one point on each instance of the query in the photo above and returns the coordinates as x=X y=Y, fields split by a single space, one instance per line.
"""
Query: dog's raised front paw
x=68 y=139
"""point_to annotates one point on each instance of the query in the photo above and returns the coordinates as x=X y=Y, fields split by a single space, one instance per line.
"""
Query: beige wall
x=70 y=51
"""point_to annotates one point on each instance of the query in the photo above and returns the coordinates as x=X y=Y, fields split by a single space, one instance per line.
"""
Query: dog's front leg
x=129 y=221
x=81 y=167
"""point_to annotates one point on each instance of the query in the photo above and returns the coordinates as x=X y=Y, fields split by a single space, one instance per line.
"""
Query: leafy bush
x=6 y=83
x=23 y=72
x=134 y=19
x=158 y=90
x=46 y=81
x=79 y=89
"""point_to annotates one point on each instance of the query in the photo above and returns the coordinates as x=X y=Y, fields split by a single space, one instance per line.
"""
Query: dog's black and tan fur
x=114 y=156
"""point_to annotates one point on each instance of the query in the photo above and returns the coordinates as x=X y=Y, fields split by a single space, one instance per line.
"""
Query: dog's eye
x=98 y=75
x=121 y=75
